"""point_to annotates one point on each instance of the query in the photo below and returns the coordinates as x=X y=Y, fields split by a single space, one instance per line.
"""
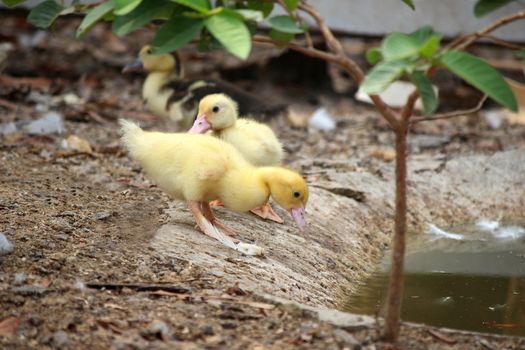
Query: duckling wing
x=255 y=141
x=186 y=166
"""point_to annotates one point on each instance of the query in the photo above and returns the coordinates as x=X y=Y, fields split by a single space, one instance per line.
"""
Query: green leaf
x=429 y=47
x=281 y=37
x=481 y=75
x=231 y=32
x=142 y=15
x=197 y=5
x=11 y=3
x=382 y=75
x=373 y=55
x=397 y=46
x=426 y=91
x=410 y=3
x=291 y=5
x=250 y=15
x=285 y=24
x=123 y=7
x=265 y=7
x=45 y=13
x=484 y=7
x=93 y=16
x=176 y=33
x=422 y=34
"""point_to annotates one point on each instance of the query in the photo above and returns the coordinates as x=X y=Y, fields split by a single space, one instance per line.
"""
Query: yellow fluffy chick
x=168 y=94
x=256 y=142
x=201 y=168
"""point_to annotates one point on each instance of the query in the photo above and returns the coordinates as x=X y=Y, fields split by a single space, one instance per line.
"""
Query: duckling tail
x=131 y=136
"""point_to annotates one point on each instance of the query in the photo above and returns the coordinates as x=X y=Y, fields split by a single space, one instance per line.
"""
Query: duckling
x=256 y=142
x=168 y=94
x=200 y=168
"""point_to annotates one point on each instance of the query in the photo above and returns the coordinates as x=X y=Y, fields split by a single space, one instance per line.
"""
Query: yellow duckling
x=201 y=168
x=256 y=142
x=168 y=94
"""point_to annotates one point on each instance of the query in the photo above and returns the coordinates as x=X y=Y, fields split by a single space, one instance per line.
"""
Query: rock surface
x=348 y=232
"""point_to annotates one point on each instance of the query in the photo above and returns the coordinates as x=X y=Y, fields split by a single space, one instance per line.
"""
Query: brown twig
x=311 y=52
x=503 y=43
x=139 y=287
x=441 y=336
x=471 y=38
x=332 y=43
x=408 y=109
x=15 y=106
x=450 y=114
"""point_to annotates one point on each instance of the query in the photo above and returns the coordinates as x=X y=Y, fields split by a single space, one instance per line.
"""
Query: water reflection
x=456 y=284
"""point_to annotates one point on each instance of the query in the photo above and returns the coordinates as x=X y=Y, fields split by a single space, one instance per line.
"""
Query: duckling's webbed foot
x=208 y=213
x=210 y=230
x=266 y=212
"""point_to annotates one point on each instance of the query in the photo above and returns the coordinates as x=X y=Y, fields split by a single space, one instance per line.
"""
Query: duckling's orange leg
x=217 y=203
x=208 y=213
x=265 y=211
x=204 y=225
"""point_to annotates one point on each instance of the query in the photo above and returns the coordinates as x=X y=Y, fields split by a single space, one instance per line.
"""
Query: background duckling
x=168 y=94
x=201 y=168
x=256 y=142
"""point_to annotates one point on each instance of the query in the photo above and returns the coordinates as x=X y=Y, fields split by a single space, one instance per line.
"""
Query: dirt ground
x=83 y=274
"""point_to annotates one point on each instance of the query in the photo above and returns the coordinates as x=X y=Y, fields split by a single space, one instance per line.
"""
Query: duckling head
x=290 y=191
x=216 y=112
x=153 y=63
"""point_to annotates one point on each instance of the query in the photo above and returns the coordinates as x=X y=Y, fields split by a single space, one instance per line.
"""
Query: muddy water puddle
x=470 y=277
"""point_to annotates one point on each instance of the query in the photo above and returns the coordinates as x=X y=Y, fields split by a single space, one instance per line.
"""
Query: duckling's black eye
x=148 y=51
x=215 y=109
x=296 y=194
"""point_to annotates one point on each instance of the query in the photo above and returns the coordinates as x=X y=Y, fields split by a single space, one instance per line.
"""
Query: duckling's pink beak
x=298 y=216
x=200 y=125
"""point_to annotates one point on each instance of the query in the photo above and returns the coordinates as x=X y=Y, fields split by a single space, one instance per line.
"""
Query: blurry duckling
x=200 y=168
x=168 y=94
x=255 y=141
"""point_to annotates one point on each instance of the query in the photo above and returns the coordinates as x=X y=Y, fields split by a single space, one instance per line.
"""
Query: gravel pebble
x=6 y=247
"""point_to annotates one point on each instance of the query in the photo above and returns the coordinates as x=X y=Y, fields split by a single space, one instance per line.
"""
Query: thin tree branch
x=408 y=109
x=488 y=29
x=450 y=114
x=332 y=43
x=504 y=43
x=342 y=61
x=311 y=52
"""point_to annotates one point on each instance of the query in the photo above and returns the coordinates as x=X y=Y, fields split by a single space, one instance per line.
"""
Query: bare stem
x=504 y=43
x=451 y=114
x=471 y=38
x=395 y=289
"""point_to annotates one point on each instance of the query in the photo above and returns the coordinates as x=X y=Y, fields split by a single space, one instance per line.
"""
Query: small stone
x=103 y=215
x=59 y=339
x=29 y=290
x=20 y=278
x=207 y=330
x=345 y=338
x=330 y=263
x=158 y=329
x=50 y=123
x=61 y=225
x=6 y=247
